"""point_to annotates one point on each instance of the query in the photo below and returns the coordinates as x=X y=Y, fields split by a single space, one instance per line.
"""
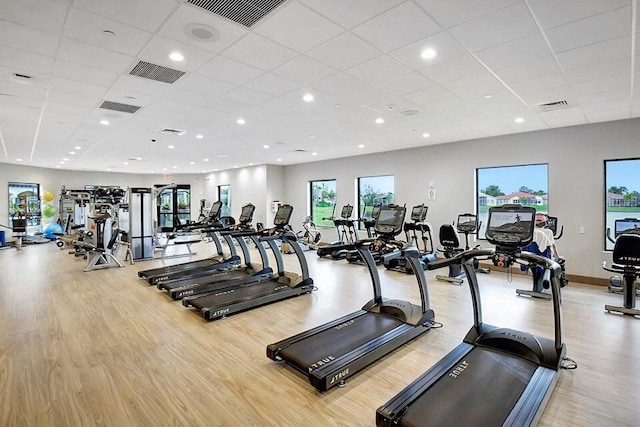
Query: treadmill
x=338 y=250
x=206 y=266
x=333 y=352
x=254 y=292
x=497 y=376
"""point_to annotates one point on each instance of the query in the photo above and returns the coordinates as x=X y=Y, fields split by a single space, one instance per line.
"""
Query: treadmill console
x=214 y=211
x=419 y=213
x=511 y=226
x=247 y=214
x=347 y=210
x=390 y=220
x=467 y=223
x=283 y=216
x=627 y=226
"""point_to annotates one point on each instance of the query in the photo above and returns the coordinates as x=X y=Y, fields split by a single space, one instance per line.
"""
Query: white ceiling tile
x=69 y=109
x=596 y=71
x=456 y=69
x=28 y=39
x=428 y=95
x=610 y=25
x=608 y=115
x=73 y=99
x=71 y=86
x=446 y=49
x=158 y=49
x=551 y=13
x=538 y=84
x=344 y=51
x=476 y=85
x=514 y=52
x=272 y=84
x=297 y=27
x=25 y=62
x=247 y=96
x=182 y=23
x=273 y=108
x=83 y=73
x=134 y=84
x=304 y=70
x=339 y=84
x=497 y=27
x=259 y=52
x=128 y=97
x=378 y=70
x=350 y=13
x=74 y=51
x=607 y=51
x=145 y=14
x=385 y=32
x=90 y=28
x=602 y=85
x=200 y=83
x=450 y=13
x=406 y=83
x=613 y=97
x=538 y=67
x=46 y=16
x=229 y=70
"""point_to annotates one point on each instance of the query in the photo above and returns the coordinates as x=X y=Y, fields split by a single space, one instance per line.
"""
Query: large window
x=323 y=199
x=24 y=203
x=374 y=190
x=527 y=185
x=622 y=183
x=224 y=195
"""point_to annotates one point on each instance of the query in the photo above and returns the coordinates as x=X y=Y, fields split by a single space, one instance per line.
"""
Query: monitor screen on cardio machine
x=347 y=210
x=467 y=223
x=247 y=213
x=510 y=226
x=419 y=213
x=627 y=226
x=390 y=219
x=283 y=215
x=214 y=211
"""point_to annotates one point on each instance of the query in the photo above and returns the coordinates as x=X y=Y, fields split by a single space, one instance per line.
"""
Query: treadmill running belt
x=339 y=340
x=483 y=393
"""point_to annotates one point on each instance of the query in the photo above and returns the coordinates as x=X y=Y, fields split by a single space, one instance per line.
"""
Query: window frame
x=225 y=205
x=321 y=223
x=359 y=196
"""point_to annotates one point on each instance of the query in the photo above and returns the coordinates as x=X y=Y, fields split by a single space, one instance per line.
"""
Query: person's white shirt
x=544 y=239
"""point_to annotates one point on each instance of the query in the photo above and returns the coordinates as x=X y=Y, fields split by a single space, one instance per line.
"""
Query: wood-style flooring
x=104 y=348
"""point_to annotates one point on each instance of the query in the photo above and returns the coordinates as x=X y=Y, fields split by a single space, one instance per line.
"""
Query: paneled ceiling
x=497 y=65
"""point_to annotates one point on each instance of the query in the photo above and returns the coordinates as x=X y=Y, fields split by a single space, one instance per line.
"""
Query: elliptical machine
x=398 y=261
x=626 y=261
x=346 y=235
x=450 y=246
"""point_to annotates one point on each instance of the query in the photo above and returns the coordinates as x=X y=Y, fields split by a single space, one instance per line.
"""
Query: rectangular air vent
x=116 y=106
x=156 y=72
x=557 y=105
x=170 y=131
x=243 y=12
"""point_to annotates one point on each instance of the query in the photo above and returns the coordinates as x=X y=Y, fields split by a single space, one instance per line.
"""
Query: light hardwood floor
x=104 y=348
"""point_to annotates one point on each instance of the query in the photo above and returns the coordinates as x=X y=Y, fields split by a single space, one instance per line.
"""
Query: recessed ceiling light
x=125 y=163
x=379 y=120
x=104 y=122
x=192 y=163
x=138 y=158
x=77 y=147
x=519 y=120
x=66 y=159
x=199 y=136
x=279 y=159
x=62 y=162
x=235 y=167
x=175 y=167
x=206 y=160
x=428 y=53
x=171 y=147
x=18 y=160
x=308 y=97
x=487 y=96
x=338 y=105
x=108 y=169
x=314 y=154
x=265 y=146
x=312 y=136
x=164 y=169
x=215 y=170
x=176 y=56
x=57 y=166
x=241 y=121
x=73 y=153
x=425 y=135
x=250 y=164
x=361 y=146
x=152 y=172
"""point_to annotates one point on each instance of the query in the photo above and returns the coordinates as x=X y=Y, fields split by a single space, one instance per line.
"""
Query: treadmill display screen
x=511 y=226
x=283 y=215
x=347 y=210
x=467 y=223
x=390 y=219
x=247 y=213
x=215 y=210
x=419 y=213
x=627 y=226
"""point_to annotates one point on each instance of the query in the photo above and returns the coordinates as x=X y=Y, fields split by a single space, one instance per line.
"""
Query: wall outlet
x=582 y=229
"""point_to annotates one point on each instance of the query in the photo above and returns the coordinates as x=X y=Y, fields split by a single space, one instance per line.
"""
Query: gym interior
x=102 y=347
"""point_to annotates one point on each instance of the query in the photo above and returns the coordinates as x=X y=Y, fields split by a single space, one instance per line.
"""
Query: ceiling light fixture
x=176 y=56
x=361 y=146
x=235 y=167
x=192 y=163
x=265 y=146
x=108 y=169
x=379 y=120
x=428 y=53
x=125 y=163
x=104 y=122
x=314 y=154
x=171 y=147
x=488 y=96
x=66 y=159
x=18 y=160
x=205 y=160
x=519 y=120
x=77 y=147
x=175 y=167
x=241 y=121
x=199 y=136
x=279 y=159
x=138 y=158
x=426 y=135
x=250 y=164
x=57 y=166
x=308 y=97
x=73 y=153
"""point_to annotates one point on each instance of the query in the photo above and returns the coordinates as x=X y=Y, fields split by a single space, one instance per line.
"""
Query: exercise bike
x=626 y=261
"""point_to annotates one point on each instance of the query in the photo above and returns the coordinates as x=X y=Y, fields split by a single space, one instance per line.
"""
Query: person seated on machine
x=544 y=244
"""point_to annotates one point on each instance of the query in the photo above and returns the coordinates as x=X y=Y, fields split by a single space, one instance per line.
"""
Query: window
x=24 y=202
x=622 y=197
x=527 y=185
x=224 y=195
x=323 y=200
x=374 y=190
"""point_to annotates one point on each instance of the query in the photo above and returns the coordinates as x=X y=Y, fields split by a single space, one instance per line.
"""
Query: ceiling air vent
x=116 y=106
x=243 y=12
x=170 y=131
x=156 y=72
x=299 y=151
x=409 y=112
x=550 y=106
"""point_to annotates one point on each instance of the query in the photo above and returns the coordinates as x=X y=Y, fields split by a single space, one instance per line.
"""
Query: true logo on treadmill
x=321 y=362
x=516 y=336
x=458 y=369
x=220 y=312
x=345 y=324
x=340 y=376
x=185 y=293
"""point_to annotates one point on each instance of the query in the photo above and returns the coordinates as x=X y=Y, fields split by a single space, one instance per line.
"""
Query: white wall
x=576 y=178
